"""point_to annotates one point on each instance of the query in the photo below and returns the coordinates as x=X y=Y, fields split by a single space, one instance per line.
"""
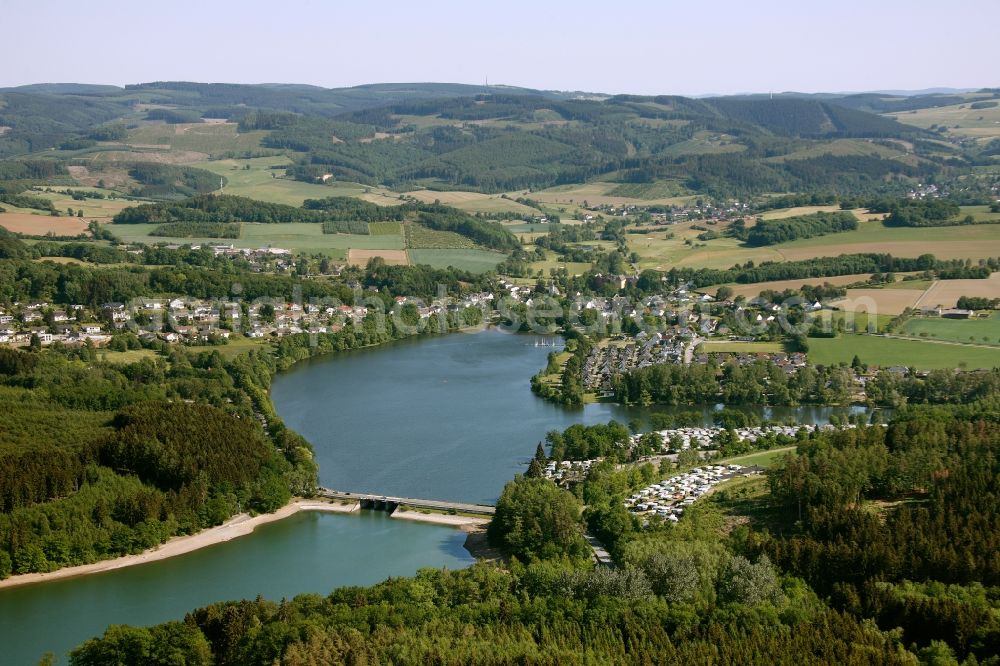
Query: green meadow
x=476 y=261
x=876 y=350
x=978 y=331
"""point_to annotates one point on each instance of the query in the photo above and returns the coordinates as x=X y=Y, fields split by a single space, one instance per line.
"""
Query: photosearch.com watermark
x=537 y=313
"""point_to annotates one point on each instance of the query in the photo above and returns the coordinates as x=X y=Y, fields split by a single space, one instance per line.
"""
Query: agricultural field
x=419 y=237
x=539 y=229
x=971 y=331
x=752 y=290
x=978 y=241
x=93 y=209
x=909 y=284
x=475 y=261
x=39 y=224
x=598 y=193
x=947 y=292
x=384 y=228
x=980 y=214
x=782 y=213
x=360 y=257
x=473 y=202
x=960 y=119
x=882 y=351
x=262 y=182
x=879 y=301
x=211 y=139
x=855 y=321
x=296 y=236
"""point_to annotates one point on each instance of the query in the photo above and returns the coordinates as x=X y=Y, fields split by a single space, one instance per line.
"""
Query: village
x=194 y=321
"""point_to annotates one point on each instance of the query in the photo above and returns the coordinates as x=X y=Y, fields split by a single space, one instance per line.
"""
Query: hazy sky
x=616 y=46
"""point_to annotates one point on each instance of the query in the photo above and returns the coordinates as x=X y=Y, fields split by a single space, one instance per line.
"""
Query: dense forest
x=921 y=497
x=924 y=213
x=99 y=460
x=494 y=140
x=772 y=232
x=869 y=545
x=167 y=180
x=218 y=209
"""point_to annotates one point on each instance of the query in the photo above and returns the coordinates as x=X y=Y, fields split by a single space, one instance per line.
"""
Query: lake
x=449 y=417
x=437 y=418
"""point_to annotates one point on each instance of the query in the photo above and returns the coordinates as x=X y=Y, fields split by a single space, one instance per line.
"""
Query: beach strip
x=237 y=526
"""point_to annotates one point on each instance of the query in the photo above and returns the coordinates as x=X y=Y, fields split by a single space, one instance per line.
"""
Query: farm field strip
x=473 y=260
x=885 y=352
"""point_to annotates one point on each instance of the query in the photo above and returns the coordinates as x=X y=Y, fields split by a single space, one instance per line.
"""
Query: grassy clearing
x=130 y=356
x=973 y=331
x=703 y=143
x=848 y=148
x=663 y=189
x=748 y=501
x=419 y=237
x=476 y=261
x=882 y=351
x=552 y=263
x=234 y=347
x=762 y=458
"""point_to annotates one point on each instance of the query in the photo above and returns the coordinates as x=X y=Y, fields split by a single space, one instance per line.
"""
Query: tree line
x=772 y=232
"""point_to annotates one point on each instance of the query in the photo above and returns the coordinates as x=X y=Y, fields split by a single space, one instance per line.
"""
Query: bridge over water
x=389 y=503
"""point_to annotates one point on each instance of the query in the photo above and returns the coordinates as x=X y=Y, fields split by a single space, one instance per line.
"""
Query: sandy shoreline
x=464 y=522
x=233 y=528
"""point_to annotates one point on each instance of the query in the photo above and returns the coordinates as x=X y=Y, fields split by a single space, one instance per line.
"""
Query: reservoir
x=449 y=417
x=437 y=418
